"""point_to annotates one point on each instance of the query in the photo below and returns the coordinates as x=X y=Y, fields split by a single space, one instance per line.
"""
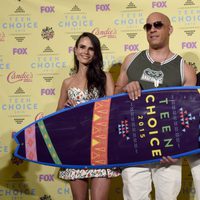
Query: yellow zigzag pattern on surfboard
x=100 y=124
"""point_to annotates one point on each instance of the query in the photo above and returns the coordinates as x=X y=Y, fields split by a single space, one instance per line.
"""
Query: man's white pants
x=166 y=178
x=194 y=162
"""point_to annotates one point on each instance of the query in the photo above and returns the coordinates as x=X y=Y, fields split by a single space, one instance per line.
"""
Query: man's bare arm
x=133 y=88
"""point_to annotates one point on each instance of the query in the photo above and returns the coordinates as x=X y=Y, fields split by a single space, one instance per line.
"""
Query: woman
x=89 y=82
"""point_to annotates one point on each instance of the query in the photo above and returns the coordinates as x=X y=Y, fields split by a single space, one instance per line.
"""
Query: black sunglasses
x=158 y=25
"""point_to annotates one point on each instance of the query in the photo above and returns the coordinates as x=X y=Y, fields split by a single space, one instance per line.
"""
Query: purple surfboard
x=116 y=131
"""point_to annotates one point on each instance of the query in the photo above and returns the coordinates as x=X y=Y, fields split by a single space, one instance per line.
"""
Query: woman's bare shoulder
x=68 y=80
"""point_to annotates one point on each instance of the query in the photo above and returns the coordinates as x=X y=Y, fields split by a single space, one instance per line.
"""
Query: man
x=155 y=67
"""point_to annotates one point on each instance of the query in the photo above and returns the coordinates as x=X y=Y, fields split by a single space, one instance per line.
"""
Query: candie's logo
x=14 y=77
x=109 y=33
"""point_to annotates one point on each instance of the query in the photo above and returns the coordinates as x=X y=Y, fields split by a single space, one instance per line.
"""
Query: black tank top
x=152 y=74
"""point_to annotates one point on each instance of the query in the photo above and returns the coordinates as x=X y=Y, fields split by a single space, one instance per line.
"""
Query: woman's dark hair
x=95 y=75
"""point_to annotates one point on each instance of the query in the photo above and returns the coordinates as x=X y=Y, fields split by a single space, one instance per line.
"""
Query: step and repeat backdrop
x=36 y=54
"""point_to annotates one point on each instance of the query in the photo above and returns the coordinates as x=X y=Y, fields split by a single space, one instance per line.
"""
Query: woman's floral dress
x=73 y=174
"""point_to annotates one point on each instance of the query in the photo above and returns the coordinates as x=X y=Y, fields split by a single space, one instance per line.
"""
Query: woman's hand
x=70 y=103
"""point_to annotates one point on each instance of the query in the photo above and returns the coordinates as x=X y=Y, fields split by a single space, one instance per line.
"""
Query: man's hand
x=134 y=90
x=168 y=160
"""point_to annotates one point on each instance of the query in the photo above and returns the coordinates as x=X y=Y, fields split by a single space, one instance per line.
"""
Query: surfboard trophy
x=116 y=131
